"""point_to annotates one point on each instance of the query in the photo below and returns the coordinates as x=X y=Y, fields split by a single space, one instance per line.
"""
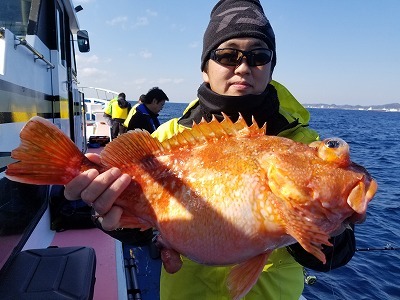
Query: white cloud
x=91 y=72
x=145 y=54
x=140 y=81
x=121 y=20
x=176 y=27
x=87 y=60
x=151 y=13
x=178 y=80
x=170 y=80
x=141 y=21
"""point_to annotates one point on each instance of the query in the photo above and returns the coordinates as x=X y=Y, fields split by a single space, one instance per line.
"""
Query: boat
x=39 y=77
x=95 y=101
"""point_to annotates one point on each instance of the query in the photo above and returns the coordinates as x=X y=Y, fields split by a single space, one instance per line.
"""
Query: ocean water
x=374 y=139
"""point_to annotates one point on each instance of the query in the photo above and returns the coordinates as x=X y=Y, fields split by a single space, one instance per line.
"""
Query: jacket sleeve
x=338 y=255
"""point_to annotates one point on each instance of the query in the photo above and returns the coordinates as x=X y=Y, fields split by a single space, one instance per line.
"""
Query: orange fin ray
x=137 y=145
x=206 y=131
x=306 y=233
x=45 y=155
x=130 y=148
x=244 y=276
x=297 y=224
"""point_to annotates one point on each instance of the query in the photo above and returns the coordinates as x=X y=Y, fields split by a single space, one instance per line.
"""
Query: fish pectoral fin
x=243 y=276
x=298 y=223
x=309 y=235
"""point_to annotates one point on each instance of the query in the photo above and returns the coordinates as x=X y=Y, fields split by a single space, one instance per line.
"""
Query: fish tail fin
x=244 y=276
x=45 y=155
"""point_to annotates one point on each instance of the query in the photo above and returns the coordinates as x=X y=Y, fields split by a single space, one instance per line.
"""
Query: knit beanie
x=237 y=19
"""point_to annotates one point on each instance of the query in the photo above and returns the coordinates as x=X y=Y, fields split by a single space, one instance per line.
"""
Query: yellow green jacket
x=130 y=114
x=115 y=111
x=282 y=277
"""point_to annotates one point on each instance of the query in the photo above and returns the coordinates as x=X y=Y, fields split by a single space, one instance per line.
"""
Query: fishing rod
x=386 y=248
x=312 y=279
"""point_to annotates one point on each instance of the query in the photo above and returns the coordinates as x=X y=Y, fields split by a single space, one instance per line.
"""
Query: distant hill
x=383 y=107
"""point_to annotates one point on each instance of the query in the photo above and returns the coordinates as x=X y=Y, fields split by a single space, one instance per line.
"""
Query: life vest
x=130 y=114
x=115 y=111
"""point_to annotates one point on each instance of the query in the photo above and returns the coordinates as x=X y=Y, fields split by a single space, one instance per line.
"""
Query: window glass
x=60 y=36
x=14 y=15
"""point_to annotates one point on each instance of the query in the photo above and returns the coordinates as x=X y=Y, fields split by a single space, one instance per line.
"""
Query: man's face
x=156 y=107
x=242 y=79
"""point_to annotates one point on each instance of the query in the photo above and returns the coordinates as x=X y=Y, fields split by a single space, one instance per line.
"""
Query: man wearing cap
x=239 y=56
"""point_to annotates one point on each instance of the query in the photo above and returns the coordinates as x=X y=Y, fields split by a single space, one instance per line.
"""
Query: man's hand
x=100 y=191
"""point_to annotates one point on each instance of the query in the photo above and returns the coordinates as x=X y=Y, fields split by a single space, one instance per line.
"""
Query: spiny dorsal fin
x=205 y=131
x=130 y=147
x=138 y=144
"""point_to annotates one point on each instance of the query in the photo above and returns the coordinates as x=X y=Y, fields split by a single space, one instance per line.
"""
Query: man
x=145 y=115
x=117 y=110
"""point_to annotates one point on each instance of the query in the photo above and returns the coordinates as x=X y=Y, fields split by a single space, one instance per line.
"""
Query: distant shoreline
x=393 y=107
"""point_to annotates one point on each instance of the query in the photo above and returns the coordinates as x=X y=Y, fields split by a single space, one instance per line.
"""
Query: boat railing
x=99 y=93
x=37 y=55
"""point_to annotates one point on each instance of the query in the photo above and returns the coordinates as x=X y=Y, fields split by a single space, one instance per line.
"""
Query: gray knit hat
x=236 y=19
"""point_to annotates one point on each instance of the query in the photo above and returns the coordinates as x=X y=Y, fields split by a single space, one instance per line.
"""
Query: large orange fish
x=219 y=193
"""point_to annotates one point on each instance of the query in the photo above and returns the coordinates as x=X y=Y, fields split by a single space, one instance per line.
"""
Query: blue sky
x=328 y=51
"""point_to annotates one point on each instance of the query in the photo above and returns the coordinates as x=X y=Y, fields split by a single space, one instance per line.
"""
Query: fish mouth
x=363 y=191
x=360 y=169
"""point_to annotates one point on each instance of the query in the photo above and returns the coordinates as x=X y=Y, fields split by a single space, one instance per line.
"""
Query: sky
x=328 y=51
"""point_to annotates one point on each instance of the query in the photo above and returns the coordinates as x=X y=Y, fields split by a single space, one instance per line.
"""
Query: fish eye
x=334 y=143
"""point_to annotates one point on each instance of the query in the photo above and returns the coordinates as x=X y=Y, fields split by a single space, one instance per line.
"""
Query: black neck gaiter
x=264 y=108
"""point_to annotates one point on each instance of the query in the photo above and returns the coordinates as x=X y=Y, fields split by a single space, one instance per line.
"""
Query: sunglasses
x=233 y=57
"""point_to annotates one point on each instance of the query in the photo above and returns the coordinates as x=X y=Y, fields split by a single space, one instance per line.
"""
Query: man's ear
x=206 y=79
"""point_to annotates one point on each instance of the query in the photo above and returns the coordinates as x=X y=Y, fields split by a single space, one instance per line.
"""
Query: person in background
x=117 y=111
x=145 y=115
x=133 y=110
x=237 y=63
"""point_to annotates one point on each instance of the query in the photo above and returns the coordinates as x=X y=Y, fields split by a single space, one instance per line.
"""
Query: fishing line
x=312 y=279
x=386 y=248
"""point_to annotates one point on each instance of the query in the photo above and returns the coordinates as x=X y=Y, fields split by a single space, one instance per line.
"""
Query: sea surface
x=374 y=139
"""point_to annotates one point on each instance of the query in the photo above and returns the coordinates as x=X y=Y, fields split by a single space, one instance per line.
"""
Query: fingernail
x=92 y=173
x=115 y=172
x=126 y=177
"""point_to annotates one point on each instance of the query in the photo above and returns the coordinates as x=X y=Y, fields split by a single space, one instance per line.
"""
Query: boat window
x=60 y=35
x=14 y=15
x=72 y=52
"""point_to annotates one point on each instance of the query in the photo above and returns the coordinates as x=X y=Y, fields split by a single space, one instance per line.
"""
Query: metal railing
x=37 y=55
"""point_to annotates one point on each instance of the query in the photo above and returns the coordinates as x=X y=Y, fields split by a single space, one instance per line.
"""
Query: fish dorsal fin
x=130 y=147
x=205 y=131
x=138 y=144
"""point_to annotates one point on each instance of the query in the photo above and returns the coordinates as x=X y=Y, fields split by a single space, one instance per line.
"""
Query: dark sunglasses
x=233 y=57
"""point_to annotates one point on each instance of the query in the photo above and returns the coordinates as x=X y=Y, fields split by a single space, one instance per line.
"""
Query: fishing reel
x=309 y=279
